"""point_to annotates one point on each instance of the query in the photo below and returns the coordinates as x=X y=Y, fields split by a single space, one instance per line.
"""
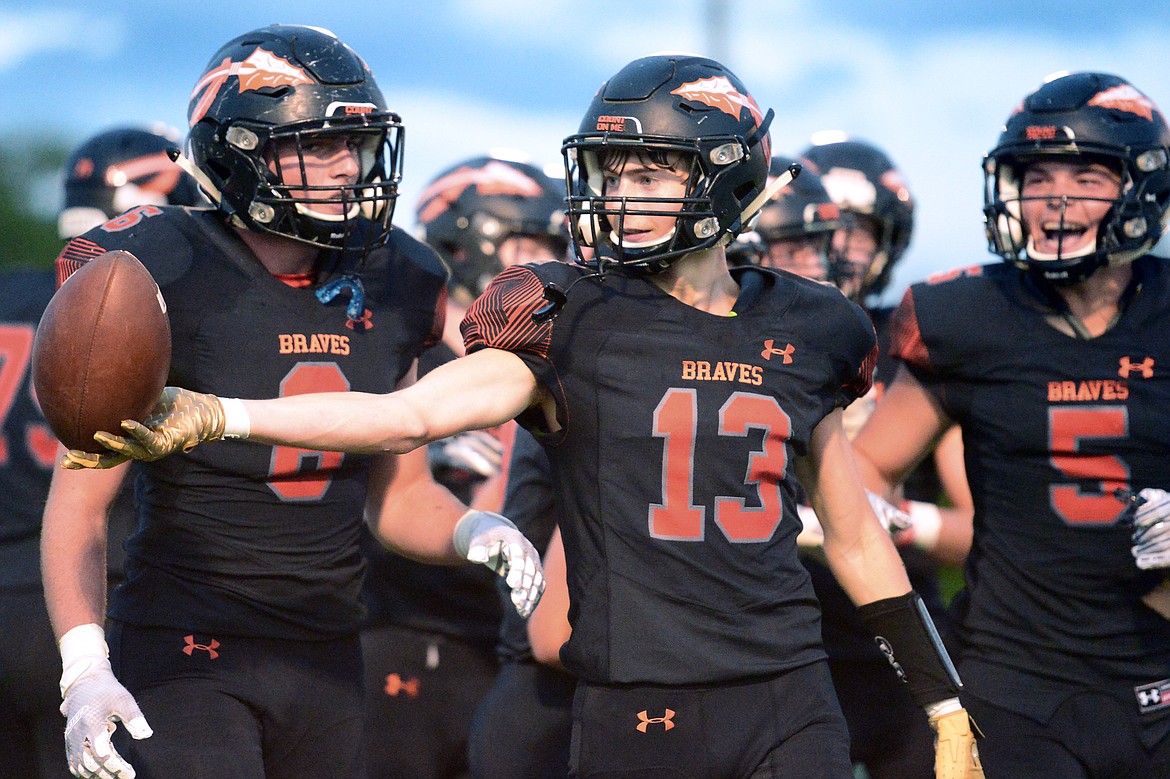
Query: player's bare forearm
x=73 y=546
x=356 y=422
x=482 y=390
x=401 y=490
x=858 y=549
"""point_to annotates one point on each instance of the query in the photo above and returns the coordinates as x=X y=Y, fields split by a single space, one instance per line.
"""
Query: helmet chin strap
x=195 y=173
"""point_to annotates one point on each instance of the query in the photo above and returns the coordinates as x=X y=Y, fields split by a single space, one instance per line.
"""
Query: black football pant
x=1091 y=736
x=776 y=728
x=522 y=728
x=421 y=693
x=224 y=707
x=32 y=729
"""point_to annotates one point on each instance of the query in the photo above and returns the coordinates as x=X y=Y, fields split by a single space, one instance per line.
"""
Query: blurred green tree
x=29 y=179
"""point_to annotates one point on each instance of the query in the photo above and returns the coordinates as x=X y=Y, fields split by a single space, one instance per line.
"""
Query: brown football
x=102 y=350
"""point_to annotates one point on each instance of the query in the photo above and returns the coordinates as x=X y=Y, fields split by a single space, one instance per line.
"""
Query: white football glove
x=812 y=536
x=477 y=451
x=893 y=518
x=94 y=702
x=1151 y=529
x=492 y=540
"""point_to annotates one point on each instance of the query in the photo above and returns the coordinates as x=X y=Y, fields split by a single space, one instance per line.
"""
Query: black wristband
x=905 y=633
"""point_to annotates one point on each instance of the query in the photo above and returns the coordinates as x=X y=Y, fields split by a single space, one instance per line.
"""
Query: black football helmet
x=669 y=104
x=803 y=209
x=864 y=182
x=1099 y=117
x=289 y=83
x=469 y=209
x=120 y=168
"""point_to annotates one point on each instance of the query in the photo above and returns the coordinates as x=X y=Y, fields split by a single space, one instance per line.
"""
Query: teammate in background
x=1053 y=363
x=888 y=734
x=236 y=631
x=430 y=636
x=876 y=224
x=106 y=174
x=795 y=228
x=523 y=726
x=677 y=403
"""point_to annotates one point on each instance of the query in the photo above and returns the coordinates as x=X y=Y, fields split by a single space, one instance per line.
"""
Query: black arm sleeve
x=907 y=637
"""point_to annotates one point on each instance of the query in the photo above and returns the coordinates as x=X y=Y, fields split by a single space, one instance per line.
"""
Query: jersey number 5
x=1090 y=500
x=677 y=518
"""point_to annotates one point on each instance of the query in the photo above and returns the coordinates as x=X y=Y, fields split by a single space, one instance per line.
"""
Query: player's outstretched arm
x=862 y=556
x=481 y=390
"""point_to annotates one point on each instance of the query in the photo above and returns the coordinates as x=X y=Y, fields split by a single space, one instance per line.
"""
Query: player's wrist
x=942 y=708
x=82 y=649
x=471 y=524
x=236 y=422
x=926 y=523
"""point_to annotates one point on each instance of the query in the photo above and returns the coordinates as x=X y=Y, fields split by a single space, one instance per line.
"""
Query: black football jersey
x=530 y=503
x=241 y=538
x=1052 y=426
x=28 y=448
x=672 y=461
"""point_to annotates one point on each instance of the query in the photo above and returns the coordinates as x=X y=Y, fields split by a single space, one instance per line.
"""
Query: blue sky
x=928 y=80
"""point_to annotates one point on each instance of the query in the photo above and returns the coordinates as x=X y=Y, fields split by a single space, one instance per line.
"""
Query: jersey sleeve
x=501 y=318
x=908 y=344
x=856 y=357
x=75 y=254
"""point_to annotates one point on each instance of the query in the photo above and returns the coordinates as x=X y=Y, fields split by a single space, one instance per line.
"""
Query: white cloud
x=443 y=129
x=24 y=35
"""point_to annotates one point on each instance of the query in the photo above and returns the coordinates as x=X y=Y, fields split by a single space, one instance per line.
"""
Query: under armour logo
x=769 y=350
x=395 y=684
x=1153 y=696
x=208 y=648
x=666 y=720
x=361 y=323
x=1146 y=367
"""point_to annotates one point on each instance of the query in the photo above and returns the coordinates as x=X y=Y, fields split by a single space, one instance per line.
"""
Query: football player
x=872 y=231
x=106 y=174
x=794 y=229
x=1052 y=364
x=677 y=403
x=235 y=635
x=429 y=642
x=523 y=726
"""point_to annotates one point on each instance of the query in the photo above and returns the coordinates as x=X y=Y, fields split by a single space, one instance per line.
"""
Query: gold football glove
x=956 y=754
x=76 y=460
x=179 y=422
